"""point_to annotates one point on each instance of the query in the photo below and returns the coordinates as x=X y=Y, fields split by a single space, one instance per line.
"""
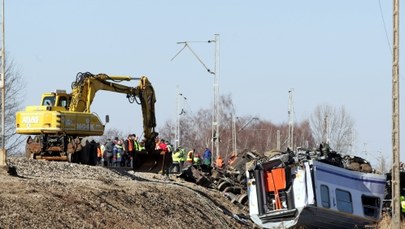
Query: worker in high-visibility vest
x=197 y=162
x=135 y=154
x=189 y=158
x=99 y=154
x=102 y=149
x=197 y=159
x=176 y=156
x=128 y=151
x=131 y=145
x=183 y=157
x=219 y=162
x=402 y=200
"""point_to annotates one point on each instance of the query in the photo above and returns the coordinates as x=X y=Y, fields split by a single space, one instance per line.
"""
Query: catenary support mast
x=396 y=214
x=216 y=110
x=3 y=153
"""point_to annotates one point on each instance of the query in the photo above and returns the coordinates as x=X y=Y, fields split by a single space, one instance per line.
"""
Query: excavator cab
x=48 y=100
x=58 y=99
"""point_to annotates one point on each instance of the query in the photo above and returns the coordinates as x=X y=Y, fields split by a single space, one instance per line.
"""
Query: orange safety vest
x=232 y=160
x=219 y=162
x=130 y=145
x=99 y=152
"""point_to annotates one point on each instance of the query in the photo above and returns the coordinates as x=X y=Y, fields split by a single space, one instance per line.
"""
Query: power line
x=385 y=27
x=192 y=51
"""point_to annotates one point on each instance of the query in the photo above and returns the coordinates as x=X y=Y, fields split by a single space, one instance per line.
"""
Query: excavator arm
x=86 y=85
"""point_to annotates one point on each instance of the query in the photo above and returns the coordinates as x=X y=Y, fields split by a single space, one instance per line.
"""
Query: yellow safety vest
x=189 y=156
x=136 y=146
x=197 y=160
x=176 y=156
x=183 y=155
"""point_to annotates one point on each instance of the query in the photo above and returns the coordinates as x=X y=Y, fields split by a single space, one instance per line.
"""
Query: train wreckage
x=312 y=188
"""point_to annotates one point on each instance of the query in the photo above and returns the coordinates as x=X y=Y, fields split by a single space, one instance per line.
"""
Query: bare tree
x=167 y=131
x=15 y=86
x=303 y=135
x=111 y=133
x=195 y=129
x=381 y=165
x=227 y=112
x=334 y=126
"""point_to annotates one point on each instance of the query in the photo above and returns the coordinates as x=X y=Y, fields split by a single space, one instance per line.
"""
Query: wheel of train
x=242 y=199
x=229 y=189
x=230 y=196
x=223 y=185
x=241 y=178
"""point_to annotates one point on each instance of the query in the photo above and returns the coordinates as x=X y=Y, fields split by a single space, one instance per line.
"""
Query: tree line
x=326 y=124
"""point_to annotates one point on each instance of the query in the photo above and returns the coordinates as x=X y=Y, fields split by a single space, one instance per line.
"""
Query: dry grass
x=386 y=222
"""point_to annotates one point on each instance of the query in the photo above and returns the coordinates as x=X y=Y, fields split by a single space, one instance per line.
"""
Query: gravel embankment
x=44 y=194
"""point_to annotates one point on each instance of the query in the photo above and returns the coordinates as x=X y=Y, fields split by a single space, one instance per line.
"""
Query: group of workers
x=119 y=152
x=181 y=159
x=122 y=153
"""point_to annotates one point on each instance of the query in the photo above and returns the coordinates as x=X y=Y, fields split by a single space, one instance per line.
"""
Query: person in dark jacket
x=108 y=152
x=207 y=157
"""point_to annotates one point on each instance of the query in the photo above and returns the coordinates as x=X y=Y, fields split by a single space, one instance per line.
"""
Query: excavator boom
x=86 y=85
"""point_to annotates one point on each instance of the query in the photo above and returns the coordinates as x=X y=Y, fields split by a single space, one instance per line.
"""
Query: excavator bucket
x=153 y=161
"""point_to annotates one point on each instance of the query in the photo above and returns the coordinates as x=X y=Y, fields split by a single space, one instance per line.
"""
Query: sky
x=330 y=52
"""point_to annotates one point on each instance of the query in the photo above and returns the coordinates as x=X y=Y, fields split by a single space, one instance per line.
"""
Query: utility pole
x=179 y=112
x=278 y=137
x=234 y=135
x=325 y=136
x=3 y=153
x=290 y=120
x=215 y=119
x=177 y=132
x=396 y=214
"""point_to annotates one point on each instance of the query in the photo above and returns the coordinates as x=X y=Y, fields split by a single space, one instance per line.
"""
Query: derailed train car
x=303 y=189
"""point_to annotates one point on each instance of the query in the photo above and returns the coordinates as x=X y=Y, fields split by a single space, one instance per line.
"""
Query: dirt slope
x=60 y=195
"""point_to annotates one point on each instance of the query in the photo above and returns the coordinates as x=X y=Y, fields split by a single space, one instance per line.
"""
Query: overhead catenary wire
x=205 y=66
x=187 y=109
x=185 y=44
x=192 y=51
x=385 y=27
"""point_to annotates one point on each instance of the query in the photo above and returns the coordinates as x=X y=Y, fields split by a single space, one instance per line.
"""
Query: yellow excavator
x=61 y=123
